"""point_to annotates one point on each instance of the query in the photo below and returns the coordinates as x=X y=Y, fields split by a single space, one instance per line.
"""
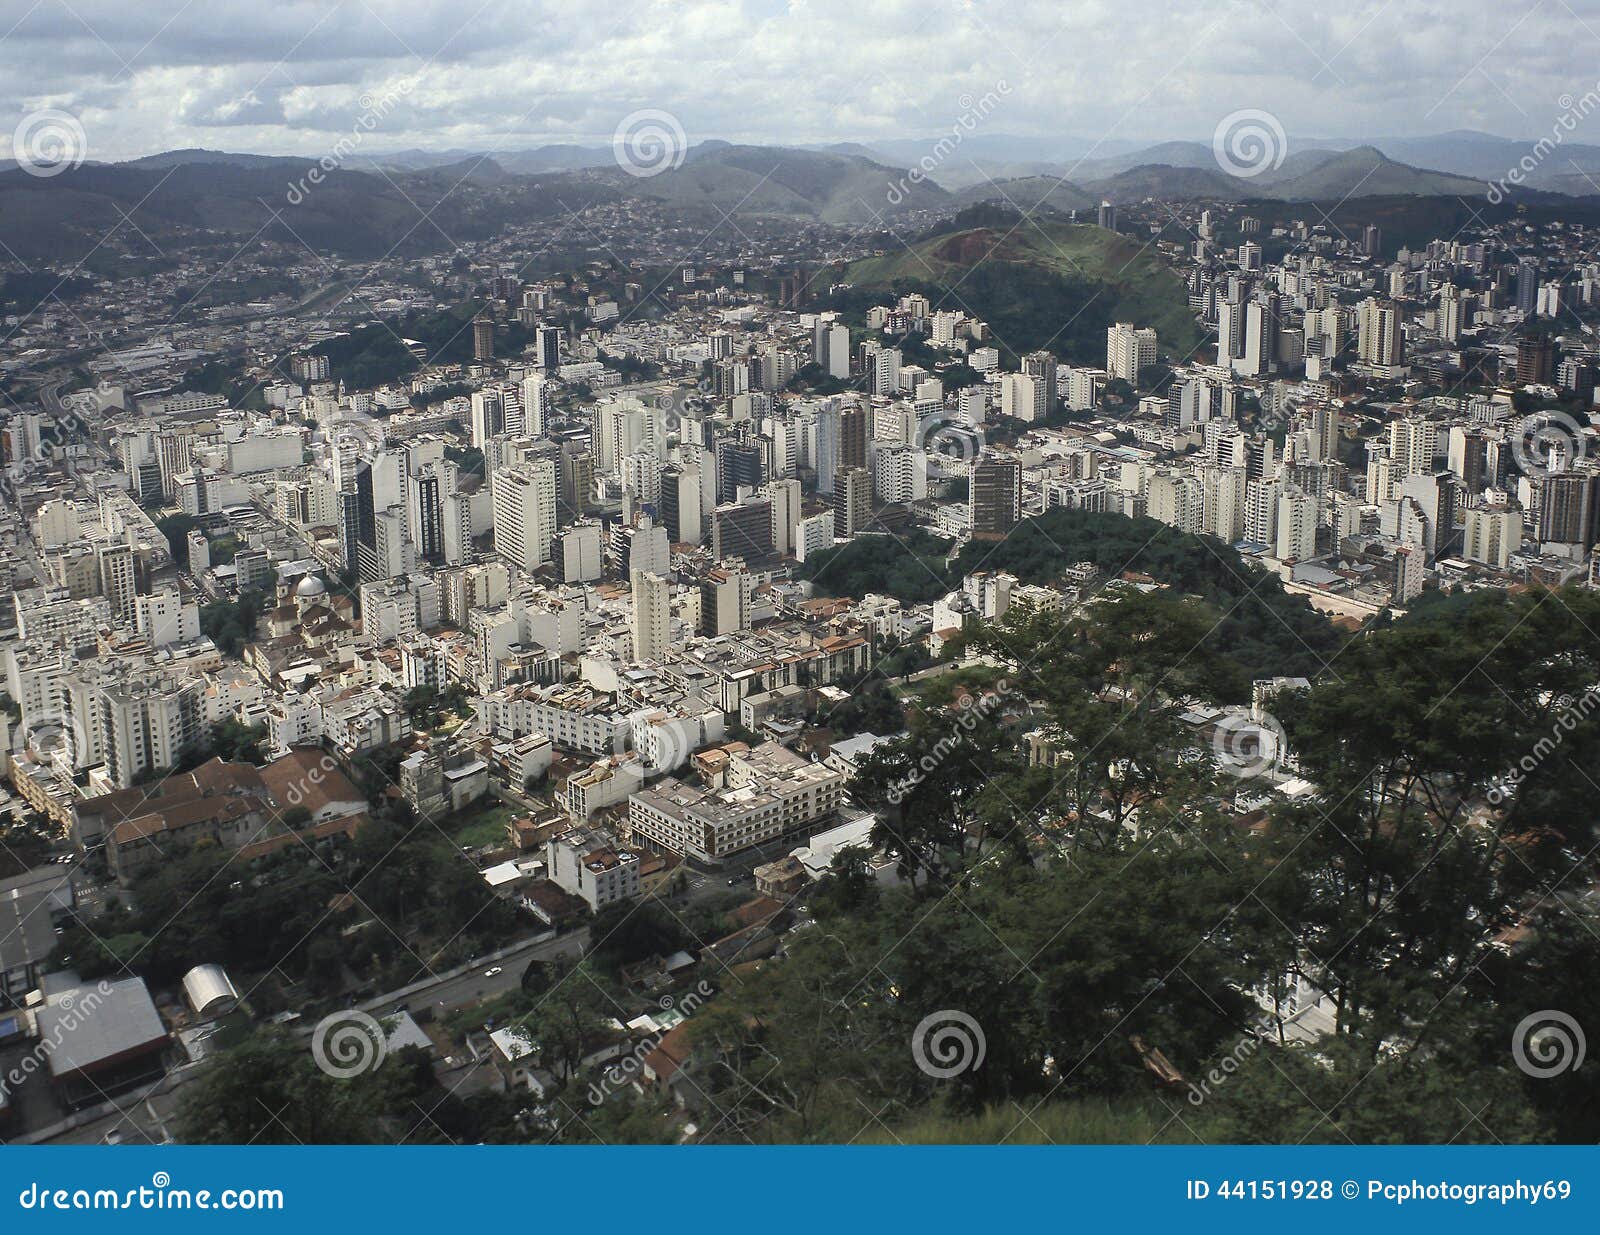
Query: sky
x=295 y=76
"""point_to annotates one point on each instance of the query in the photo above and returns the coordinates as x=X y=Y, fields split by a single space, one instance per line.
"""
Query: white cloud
x=162 y=73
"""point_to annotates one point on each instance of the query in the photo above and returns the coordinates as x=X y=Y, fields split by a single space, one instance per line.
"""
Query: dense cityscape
x=616 y=653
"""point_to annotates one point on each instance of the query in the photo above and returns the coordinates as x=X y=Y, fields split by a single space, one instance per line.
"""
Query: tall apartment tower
x=482 y=339
x=524 y=499
x=652 y=613
x=994 y=499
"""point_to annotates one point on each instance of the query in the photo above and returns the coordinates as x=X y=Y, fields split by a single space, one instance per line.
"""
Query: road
x=457 y=990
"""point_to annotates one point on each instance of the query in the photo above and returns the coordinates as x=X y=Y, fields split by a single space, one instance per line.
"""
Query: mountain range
x=369 y=205
x=982 y=157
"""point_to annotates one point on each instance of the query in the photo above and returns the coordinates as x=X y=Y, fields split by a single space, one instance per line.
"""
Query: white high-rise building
x=1224 y=496
x=652 y=616
x=163 y=617
x=1379 y=340
x=1176 y=499
x=524 y=499
x=1022 y=398
x=899 y=473
x=1413 y=442
x=1129 y=350
x=813 y=534
x=641 y=475
x=831 y=348
x=1261 y=511
x=1493 y=535
x=497 y=410
x=535 y=405
x=621 y=428
x=1298 y=514
x=785 y=496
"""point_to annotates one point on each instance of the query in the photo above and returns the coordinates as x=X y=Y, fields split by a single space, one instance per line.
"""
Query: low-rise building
x=599 y=872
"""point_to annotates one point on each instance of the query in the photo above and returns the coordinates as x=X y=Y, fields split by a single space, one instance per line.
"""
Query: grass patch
x=485 y=827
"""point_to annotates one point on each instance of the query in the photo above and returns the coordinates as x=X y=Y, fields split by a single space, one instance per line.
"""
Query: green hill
x=1043 y=284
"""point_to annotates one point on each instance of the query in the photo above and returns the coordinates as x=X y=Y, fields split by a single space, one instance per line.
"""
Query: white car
x=494 y=972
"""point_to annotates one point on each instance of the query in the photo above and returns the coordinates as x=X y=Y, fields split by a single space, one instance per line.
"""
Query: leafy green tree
x=268 y=1090
x=1109 y=688
x=1454 y=791
x=625 y=933
x=571 y=1019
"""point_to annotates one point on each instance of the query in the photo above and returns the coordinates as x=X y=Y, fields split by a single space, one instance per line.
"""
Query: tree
x=422 y=705
x=1451 y=765
x=625 y=933
x=1109 y=688
x=267 y=1090
x=922 y=789
x=236 y=742
x=571 y=1020
x=176 y=529
x=230 y=624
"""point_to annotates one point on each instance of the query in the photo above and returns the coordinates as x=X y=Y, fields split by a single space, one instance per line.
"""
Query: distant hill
x=196 y=155
x=64 y=217
x=1326 y=171
x=1043 y=284
x=553 y=159
x=1367 y=172
x=1485 y=157
x=1165 y=181
x=831 y=187
x=1306 y=175
x=1102 y=166
x=1295 y=163
x=1030 y=193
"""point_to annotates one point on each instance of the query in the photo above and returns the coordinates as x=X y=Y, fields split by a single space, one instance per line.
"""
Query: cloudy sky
x=292 y=76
